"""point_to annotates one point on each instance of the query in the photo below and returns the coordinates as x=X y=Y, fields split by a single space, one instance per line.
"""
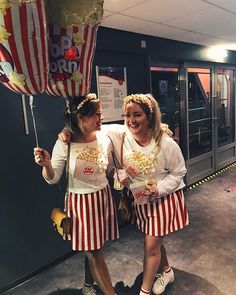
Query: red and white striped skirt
x=93 y=219
x=167 y=214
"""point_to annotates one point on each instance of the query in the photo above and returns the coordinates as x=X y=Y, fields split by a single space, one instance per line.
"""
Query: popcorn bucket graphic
x=71 y=52
x=23 y=46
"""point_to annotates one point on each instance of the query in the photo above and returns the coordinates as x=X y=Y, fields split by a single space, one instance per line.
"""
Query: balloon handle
x=31 y=100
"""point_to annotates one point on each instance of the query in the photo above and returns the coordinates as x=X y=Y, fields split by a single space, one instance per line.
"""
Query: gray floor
x=202 y=255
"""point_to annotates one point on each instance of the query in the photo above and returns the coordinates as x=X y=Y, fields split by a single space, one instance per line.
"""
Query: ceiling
x=209 y=23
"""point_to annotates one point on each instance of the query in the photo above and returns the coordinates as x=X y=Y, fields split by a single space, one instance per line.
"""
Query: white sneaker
x=88 y=290
x=162 y=281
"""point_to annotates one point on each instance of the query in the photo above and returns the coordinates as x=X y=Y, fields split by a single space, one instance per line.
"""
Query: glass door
x=199 y=112
x=165 y=88
x=225 y=109
x=224 y=117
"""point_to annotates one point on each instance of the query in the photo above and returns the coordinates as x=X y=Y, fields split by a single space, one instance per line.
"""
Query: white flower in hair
x=88 y=97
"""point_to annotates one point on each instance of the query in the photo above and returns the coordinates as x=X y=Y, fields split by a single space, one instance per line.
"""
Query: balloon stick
x=31 y=100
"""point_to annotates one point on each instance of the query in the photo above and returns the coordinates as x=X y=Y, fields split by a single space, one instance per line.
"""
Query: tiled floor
x=202 y=255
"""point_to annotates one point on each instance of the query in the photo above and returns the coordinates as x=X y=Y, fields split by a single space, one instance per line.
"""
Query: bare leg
x=99 y=271
x=164 y=264
x=88 y=280
x=152 y=258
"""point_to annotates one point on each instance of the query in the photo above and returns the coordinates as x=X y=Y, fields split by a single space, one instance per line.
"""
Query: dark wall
x=28 y=241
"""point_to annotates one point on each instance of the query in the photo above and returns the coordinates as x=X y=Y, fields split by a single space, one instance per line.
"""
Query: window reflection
x=199 y=111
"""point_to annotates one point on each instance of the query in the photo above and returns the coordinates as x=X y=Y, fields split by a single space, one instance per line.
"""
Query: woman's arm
x=175 y=168
x=52 y=169
x=42 y=158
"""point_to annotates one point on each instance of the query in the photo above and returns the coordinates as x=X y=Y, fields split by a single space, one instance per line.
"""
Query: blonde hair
x=156 y=124
x=150 y=106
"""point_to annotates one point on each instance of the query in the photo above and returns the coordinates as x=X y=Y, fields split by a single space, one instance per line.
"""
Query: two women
x=155 y=169
x=89 y=203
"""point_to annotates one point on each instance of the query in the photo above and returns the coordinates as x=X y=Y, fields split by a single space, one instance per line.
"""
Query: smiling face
x=89 y=124
x=136 y=120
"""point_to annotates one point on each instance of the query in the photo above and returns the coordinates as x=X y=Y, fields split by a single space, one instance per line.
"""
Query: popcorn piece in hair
x=141 y=99
x=88 y=97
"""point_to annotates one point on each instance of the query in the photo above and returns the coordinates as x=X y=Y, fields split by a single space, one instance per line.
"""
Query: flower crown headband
x=141 y=99
x=88 y=97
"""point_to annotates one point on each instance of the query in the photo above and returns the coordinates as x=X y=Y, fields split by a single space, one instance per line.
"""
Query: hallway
x=202 y=255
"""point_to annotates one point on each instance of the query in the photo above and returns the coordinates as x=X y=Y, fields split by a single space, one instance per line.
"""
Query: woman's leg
x=99 y=271
x=164 y=264
x=88 y=280
x=152 y=258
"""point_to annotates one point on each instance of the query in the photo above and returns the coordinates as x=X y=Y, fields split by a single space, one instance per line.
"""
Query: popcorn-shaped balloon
x=70 y=62
x=23 y=46
x=72 y=39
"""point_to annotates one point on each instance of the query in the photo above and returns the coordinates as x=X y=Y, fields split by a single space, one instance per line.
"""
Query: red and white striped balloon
x=23 y=46
x=71 y=53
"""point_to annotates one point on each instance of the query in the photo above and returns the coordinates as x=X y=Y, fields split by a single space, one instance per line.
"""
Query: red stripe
x=87 y=220
x=44 y=43
x=174 y=212
x=99 y=217
x=41 y=40
x=72 y=91
x=36 y=71
x=177 y=214
x=104 y=214
x=94 y=222
x=163 y=204
x=82 y=222
x=183 y=211
x=75 y=218
x=12 y=47
x=170 y=214
x=81 y=66
x=141 y=217
x=152 y=221
x=65 y=88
